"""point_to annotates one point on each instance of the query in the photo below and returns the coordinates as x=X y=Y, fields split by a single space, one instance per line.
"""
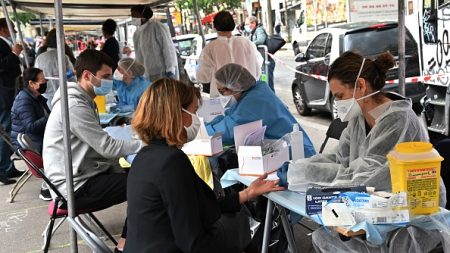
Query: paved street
x=22 y=222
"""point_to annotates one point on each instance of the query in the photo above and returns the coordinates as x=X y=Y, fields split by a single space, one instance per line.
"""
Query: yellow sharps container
x=101 y=103
x=416 y=169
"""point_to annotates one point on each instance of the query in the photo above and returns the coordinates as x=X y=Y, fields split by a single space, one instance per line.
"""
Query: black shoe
x=5 y=180
x=15 y=173
x=45 y=195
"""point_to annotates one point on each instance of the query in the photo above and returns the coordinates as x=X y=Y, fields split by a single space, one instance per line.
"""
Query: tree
x=24 y=17
x=208 y=5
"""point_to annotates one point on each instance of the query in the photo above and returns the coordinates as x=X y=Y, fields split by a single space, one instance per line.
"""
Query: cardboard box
x=203 y=144
x=251 y=159
x=315 y=196
x=208 y=146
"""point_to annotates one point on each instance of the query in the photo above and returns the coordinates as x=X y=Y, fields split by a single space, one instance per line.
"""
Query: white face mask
x=117 y=75
x=349 y=108
x=136 y=21
x=192 y=130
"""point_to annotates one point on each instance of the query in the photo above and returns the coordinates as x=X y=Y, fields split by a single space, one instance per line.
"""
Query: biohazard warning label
x=423 y=188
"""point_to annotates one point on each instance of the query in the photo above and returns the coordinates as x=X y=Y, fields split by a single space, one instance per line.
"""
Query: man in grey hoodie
x=94 y=152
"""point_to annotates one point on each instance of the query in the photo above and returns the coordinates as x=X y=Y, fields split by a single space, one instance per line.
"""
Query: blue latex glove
x=170 y=74
x=282 y=174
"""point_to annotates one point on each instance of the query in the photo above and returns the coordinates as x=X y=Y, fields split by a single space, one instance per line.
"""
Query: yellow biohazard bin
x=101 y=103
x=416 y=169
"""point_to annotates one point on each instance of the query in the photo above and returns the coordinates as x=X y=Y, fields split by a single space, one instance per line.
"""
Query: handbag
x=274 y=43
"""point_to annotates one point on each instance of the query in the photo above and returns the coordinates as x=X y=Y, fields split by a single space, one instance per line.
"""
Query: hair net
x=132 y=65
x=235 y=77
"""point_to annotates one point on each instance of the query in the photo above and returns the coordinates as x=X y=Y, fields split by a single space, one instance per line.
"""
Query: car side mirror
x=300 y=57
x=327 y=59
x=296 y=48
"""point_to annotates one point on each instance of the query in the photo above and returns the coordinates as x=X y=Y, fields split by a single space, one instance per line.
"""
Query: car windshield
x=184 y=46
x=373 y=42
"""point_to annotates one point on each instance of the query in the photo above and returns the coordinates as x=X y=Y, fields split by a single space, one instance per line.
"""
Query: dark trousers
x=5 y=150
x=102 y=191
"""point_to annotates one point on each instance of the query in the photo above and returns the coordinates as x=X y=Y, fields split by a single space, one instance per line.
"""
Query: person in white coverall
x=153 y=45
x=227 y=49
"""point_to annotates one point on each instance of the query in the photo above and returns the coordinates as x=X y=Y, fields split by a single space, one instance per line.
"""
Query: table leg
x=267 y=227
x=288 y=230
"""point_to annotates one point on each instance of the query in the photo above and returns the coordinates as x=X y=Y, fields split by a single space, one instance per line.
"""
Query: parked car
x=368 y=38
x=183 y=43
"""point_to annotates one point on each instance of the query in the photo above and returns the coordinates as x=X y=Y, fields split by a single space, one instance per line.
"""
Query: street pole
x=286 y=19
x=65 y=120
x=401 y=47
x=269 y=29
x=169 y=22
x=199 y=22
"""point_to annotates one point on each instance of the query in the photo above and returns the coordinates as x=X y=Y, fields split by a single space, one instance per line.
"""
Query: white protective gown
x=155 y=50
x=223 y=50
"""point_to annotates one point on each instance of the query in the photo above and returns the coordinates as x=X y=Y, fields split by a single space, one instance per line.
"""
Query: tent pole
x=169 y=22
x=199 y=22
x=41 y=26
x=19 y=30
x=8 y=22
x=401 y=47
x=65 y=119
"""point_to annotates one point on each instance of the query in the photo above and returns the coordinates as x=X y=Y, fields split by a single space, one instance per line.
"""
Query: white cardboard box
x=203 y=144
x=208 y=146
x=250 y=158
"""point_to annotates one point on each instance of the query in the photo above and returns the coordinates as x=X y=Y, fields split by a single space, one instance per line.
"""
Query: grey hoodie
x=93 y=150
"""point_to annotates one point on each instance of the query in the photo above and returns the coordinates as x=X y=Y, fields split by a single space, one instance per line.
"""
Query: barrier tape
x=415 y=79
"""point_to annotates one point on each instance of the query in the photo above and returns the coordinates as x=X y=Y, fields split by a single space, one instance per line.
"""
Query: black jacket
x=112 y=48
x=9 y=71
x=29 y=115
x=170 y=209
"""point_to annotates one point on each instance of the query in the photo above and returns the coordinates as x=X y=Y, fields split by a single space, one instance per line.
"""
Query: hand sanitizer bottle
x=297 y=149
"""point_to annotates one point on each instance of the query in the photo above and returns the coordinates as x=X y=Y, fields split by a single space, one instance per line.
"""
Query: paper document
x=256 y=137
x=210 y=109
x=119 y=132
x=241 y=132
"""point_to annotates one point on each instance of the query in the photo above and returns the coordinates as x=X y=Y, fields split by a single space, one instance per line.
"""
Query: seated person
x=170 y=209
x=130 y=83
x=251 y=100
x=94 y=152
x=377 y=121
x=29 y=114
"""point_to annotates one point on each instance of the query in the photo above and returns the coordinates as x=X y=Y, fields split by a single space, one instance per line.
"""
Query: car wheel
x=334 y=113
x=300 y=104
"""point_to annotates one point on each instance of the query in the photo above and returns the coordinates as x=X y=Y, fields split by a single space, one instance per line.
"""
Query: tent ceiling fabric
x=89 y=9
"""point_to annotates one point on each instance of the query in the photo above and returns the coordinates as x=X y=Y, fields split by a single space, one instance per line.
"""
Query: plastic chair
x=334 y=131
x=25 y=142
x=35 y=164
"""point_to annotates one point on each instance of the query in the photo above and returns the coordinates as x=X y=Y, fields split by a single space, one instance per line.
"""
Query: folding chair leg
x=18 y=185
x=100 y=225
x=50 y=231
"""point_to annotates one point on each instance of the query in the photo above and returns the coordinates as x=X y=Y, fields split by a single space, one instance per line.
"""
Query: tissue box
x=209 y=146
x=253 y=163
x=315 y=196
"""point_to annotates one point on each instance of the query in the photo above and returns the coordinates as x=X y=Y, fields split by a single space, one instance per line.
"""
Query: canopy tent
x=80 y=9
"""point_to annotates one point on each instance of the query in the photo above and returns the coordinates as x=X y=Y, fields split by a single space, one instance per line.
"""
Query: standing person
x=48 y=62
x=111 y=46
x=227 y=49
x=95 y=154
x=30 y=114
x=259 y=36
x=153 y=45
x=170 y=209
x=9 y=71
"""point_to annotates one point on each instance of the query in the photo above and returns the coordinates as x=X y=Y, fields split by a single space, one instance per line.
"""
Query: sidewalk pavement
x=23 y=221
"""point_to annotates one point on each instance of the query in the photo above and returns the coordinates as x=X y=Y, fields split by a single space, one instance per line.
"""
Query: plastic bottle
x=297 y=149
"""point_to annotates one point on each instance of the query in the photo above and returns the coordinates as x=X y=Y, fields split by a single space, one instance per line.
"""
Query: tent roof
x=86 y=9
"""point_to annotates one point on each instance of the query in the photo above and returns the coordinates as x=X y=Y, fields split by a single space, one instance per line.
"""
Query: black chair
x=35 y=164
x=334 y=131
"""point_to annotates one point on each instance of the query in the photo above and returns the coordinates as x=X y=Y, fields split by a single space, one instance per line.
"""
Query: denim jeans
x=270 y=74
x=5 y=150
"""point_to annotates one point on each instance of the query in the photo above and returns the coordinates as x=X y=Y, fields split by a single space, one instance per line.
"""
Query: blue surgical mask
x=248 y=29
x=106 y=86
